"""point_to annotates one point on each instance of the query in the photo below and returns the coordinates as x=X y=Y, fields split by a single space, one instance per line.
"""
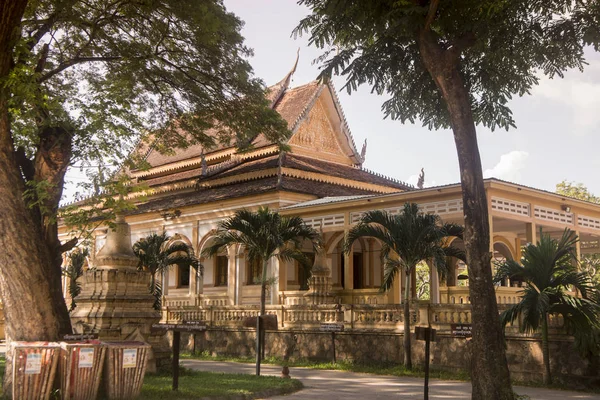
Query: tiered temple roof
x=323 y=160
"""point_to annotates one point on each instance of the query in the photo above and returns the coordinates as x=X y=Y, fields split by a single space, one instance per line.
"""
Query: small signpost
x=333 y=328
x=428 y=335
x=186 y=326
x=461 y=330
x=78 y=337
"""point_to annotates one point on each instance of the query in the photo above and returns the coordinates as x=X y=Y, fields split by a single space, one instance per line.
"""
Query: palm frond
x=509 y=269
x=391 y=267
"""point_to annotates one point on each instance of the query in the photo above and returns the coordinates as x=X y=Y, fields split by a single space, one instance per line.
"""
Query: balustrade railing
x=386 y=317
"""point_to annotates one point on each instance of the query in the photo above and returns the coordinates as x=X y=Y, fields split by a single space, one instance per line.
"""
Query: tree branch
x=433 y=6
x=74 y=61
x=66 y=246
x=461 y=44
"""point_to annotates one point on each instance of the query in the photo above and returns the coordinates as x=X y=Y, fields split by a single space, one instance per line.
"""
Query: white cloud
x=509 y=167
x=579 y=94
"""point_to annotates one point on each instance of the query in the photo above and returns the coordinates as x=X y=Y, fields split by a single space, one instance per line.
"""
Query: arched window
x=254 y=272
x=221 y=270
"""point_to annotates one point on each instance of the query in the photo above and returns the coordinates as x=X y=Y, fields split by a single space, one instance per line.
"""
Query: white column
x=275 y=271
x=240 y=262
x=199 y=282
x=231 y=274
x=434 y=285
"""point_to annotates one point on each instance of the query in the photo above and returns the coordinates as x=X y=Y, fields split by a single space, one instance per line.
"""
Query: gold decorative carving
x=317 y=132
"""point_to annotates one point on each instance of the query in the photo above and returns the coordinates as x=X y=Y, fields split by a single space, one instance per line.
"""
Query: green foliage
x=549 y=272
x=499 y=47
x=109 y=74
x=264 y=234
x=157 y=253
x=112 y=195
x=214 y=385
x=73 y=271
x=36 y=195
x=407 y=239
x=576 y=191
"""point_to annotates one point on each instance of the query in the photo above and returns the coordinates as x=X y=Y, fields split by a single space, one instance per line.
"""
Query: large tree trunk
x=51 y=162
x=407 y=350
x=24 y=260
x=490 y=375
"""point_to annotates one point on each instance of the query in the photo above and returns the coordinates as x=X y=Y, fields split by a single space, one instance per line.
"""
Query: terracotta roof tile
x=291 y=106
x=250 y=188
x=290 y=161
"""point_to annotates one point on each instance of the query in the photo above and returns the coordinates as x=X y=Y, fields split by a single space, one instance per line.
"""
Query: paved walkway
x=334 y=385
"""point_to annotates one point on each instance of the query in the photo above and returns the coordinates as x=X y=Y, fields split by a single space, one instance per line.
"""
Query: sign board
x=33 y=363
x=421 y=332
x=461 y=330
x=129 y=358
x=86 y=357
x=269 y=322
x=331 y=327
x=87 y=336
x=192 y=326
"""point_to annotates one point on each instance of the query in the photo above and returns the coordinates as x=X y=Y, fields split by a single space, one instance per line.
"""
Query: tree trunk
x=260 y=326
x=24 y=260
x=490 y=375
x=51 y=162
x=407 y=350
x=546 y=351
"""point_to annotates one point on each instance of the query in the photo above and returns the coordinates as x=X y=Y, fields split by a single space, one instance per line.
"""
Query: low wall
x=448 y=353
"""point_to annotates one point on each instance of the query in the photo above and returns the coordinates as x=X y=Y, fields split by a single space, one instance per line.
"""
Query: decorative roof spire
x=279 y=88
x=203 y=163
x=421 y=181
x=363 y=151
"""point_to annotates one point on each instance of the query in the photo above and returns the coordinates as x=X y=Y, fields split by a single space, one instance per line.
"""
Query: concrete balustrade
x=384 y=317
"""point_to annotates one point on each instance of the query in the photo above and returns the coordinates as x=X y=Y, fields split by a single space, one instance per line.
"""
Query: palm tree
x=549 y=270
x=156 y=254
x=407 y=239
x=264 y=235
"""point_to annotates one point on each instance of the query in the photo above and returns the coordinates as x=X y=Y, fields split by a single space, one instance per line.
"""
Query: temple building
x=321 y=179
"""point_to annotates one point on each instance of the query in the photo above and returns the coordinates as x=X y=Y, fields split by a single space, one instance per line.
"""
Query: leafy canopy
x=499 y=47
x=109 y=72
x=577 y=191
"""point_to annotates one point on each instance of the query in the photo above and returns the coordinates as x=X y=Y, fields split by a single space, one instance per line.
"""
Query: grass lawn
x=200 y=384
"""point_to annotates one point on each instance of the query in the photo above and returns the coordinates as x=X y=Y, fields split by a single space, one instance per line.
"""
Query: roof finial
x=203 y=163
x=280 y=88
x=363 y=151
x=421 y=181
x=296 y=63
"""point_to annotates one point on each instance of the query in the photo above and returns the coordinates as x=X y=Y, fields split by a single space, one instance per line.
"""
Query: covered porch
x=518 y=215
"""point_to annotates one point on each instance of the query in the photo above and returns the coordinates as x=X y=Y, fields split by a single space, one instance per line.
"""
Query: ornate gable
x=316 y=133
x=320 y=134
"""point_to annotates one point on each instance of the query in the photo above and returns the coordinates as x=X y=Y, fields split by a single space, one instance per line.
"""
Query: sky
x=558 y=125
